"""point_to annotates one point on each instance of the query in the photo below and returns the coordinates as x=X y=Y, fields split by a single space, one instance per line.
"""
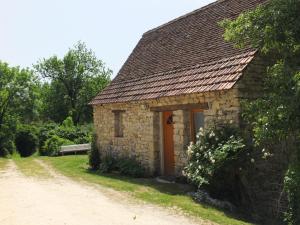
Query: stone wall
x=181 y=138
x=138 y=130
x=143 y=137
x=142 y=127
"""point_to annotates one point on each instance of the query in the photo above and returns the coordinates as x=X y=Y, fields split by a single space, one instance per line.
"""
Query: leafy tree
x=55 y=105
x=76 y=79
x=19 y=102
x=274 y=29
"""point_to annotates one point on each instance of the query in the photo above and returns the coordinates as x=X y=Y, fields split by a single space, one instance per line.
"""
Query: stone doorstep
x=166 y=179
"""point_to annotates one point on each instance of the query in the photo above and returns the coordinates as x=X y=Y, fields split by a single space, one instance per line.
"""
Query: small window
x=197 y=121
x=118 y=123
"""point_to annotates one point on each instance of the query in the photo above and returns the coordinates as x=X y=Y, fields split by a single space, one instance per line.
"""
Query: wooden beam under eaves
x=203 y=106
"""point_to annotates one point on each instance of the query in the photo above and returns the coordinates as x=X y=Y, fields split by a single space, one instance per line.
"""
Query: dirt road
x=61 y=201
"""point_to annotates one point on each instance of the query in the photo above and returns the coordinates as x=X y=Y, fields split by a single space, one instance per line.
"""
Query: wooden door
x=169 y=161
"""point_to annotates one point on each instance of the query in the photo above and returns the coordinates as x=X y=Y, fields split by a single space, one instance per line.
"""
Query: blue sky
x=35 y=29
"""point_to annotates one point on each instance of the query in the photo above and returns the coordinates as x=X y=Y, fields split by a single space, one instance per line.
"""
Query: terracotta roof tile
x=191 y=82
x=186 y=55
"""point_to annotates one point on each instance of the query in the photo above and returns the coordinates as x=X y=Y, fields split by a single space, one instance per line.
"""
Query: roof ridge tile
x=184 y=16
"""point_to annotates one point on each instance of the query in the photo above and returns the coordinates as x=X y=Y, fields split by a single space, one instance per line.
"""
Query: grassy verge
x=148 y=190
x=3 y=163
x=29 y=167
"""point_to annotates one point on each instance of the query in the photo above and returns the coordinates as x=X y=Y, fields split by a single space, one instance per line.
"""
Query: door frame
x=161 y=143
x=192 y=124
x=162 y=129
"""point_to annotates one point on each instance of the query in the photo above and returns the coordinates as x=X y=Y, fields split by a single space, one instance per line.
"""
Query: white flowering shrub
x=213 y=150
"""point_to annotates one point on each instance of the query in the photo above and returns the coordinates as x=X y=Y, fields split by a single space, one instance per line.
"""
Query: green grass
x=3 y=163
x=148 y=190
x=29 y=167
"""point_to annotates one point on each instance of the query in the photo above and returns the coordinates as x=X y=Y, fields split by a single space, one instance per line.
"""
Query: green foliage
x=215 y=148
x=124 y=165
x=130 y=167
x=18 y=103
x=68 y=123
x=46 y=131
x=53 y=144
x=7 y=147
x=55 y=105
x=274 y=29
x=292 y=187
x=70 y=84
x=94 y=155
x=67 y=131
x=74 y=81
x=26 y=140
x=7 y=136
x=271 y=28
x=108 y=164
x=74 y=133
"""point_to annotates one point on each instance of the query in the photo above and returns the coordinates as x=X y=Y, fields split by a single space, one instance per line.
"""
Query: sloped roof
x=186 y=55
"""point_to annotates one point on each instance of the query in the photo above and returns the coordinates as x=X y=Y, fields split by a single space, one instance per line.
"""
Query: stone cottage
x=181 y=76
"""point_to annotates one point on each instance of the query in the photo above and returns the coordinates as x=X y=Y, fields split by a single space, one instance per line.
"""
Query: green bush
x=26 y=140
x=68 y=122
x=74 y=133
x=67 y=131
x=7 y=136
x=214 y=149
x=7 y=147
x=53 y=145
x=83 y=139
x=94 y=155
x=108 y=164
x=130 y=167
x=45 y=132
x=124 y=165
x=292 y=187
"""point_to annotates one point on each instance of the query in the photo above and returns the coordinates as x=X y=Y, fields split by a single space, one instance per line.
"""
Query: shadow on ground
x=170 y=189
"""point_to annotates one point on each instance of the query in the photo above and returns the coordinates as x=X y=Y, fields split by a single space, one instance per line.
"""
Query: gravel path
x=61 y=201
